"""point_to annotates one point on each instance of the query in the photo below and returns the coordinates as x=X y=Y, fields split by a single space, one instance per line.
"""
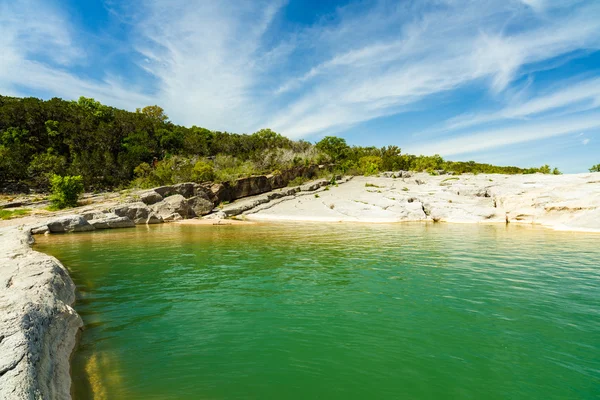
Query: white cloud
x=437 y=52
x=585 y=141
x=572 y=96
x=227 y=66
x=38 y=49
x=521 y=133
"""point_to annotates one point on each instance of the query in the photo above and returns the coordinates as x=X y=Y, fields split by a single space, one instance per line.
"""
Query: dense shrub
x=595 y=168
x=65 y=190
x=370 y=165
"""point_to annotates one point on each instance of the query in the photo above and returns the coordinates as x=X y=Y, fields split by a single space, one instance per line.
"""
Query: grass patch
x=297 y=181
x=405 y=189
x=371 y=185
x=451 y=179
x=9 y=214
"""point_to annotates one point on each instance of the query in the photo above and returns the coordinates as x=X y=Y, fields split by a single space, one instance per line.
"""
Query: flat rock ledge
x=38 y=326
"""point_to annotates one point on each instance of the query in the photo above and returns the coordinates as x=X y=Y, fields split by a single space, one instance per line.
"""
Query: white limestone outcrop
x=38 y=326
x=564 y=202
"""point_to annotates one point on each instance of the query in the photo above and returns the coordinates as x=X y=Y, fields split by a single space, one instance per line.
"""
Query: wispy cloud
x=520 y=133
x=39 y=50
x=238 y=66
x=573 y=96
x=437 y=51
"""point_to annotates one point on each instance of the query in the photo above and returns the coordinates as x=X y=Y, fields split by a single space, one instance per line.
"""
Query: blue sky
x=508 y=81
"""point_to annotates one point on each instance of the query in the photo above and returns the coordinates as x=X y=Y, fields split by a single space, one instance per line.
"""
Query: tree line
x=112 y=148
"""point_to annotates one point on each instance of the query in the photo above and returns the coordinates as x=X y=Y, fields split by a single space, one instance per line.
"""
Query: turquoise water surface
x=336 y=311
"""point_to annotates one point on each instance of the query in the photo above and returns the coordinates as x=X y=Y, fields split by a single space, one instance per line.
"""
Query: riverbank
x=38 y=326
x=560 y=202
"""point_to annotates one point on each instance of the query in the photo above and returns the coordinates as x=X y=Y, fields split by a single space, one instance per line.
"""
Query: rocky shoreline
x=38 y=325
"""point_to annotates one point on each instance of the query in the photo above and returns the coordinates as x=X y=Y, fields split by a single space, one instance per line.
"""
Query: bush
x=595 y=168
x=370 y=165
x=65 y=190
x=203 y=171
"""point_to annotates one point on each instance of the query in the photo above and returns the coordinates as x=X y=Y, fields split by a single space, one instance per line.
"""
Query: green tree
x=155 y=113
x=595 y=168
x=334 y=147
x=65 y=190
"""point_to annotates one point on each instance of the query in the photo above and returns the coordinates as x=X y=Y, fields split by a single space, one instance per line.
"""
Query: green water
x=434 y=311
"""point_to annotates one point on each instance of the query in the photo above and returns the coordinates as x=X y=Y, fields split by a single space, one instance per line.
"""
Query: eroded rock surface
x=38 y=326
x=566 y=202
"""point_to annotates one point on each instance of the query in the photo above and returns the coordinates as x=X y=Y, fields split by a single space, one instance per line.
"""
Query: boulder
x=111 y=221
x=172 y=217
x=184 y=189
x=164 y=191
x=250 y=186
x=39 y=230
x=138 y=212
x=173 y=204
x=70 y=223
x=150 y=197
x=199 y=205
x=220 y=193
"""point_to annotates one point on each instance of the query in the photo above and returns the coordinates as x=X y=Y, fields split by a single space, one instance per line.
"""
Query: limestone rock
x=40 y=230
x=69 y=223
x=150 y=197
x=38 y=326
x=111 y=221
x=184 y=189
x=138 y=212
x=199 y=206
x=175 y=204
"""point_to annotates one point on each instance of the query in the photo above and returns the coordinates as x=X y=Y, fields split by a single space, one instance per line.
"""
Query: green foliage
x=297 y=181
x=44 y=165
x=334 y=147
x=65 y=190
x=155 y=113
x=595 y=168
x=203 y=171
x=544 y=169
x=9 y=214
x=111 y=148
x=370 y=165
